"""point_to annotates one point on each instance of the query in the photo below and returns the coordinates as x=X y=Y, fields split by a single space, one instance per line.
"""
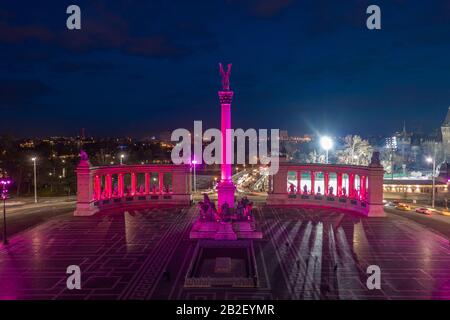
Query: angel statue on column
x=225 y=76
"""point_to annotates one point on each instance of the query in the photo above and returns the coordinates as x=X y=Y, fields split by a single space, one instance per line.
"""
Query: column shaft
x=161 y=181
x=108 y=186
x=120 y=184
x=351 y=185
x=362 y=183
x=133 y=183
x=339 y=184
x=147 y=182
x=97 y=188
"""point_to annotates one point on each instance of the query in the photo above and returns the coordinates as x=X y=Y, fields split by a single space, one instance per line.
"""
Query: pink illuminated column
x=313 y=177
x=351 y=185
x=226 y=187
x=161 y=181
x=362 y=184
x=108 y=186
x=339 y=184
x=147 y=182
x=133 y=183
x=120 y=184
x=299 y=182
x=326 y=179
x=97 y=188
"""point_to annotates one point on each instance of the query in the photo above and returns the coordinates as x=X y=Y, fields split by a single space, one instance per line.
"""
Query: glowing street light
x=35 y=179
x=433 y=161
x=194 y=162
x=4 y=183
x=121 y=158
x=326 y=143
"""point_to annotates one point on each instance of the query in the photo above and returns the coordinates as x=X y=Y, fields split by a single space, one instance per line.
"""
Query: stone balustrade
x=348 y=187
x=118 y=186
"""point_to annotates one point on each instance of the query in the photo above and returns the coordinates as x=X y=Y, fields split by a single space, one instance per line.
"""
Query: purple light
x=194 y=162
x=5 y=182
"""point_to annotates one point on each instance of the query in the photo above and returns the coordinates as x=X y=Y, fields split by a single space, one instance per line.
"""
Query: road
x=26 y=214
x=435 y=221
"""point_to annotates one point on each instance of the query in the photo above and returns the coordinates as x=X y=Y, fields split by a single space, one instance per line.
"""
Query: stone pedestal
x=225 y=232
x=85 y=189
x=225 y=194
x=376 y=210
x=246 y=230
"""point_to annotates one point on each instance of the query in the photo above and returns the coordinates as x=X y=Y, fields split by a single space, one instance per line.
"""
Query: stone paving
x=305 y=254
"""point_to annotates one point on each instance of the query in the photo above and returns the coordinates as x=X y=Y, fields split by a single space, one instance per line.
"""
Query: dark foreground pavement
x=305 y=254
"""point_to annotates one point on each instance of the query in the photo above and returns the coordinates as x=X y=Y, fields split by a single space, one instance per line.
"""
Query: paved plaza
x=305 y=254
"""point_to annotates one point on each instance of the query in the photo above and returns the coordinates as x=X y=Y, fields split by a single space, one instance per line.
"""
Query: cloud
x=16 y=34
x=263 y=8
x=69 y=67
x=159 y=47
x=268 y=8
x=104 y=31
x=20 y=93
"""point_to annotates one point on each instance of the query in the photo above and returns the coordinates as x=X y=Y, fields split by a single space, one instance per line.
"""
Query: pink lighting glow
x=226 y=187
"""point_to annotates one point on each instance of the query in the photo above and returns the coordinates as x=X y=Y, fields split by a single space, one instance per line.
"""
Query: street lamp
x=4 y=183
x=433 y=160
x=194 y=162
x=35 y=179
x=326 y=143
x=121 y=158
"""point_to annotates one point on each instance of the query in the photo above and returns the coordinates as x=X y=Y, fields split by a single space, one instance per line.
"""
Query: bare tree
x=356 y=151
x=315 y=157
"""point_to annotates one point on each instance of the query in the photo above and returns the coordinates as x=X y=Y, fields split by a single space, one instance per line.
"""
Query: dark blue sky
x=138 y=67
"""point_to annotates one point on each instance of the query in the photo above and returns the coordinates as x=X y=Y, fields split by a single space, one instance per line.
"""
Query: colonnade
x=105 y=186
x=362 y=192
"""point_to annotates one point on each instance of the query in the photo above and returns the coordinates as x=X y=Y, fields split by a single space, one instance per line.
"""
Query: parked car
x=403 y=207
x=423 y=210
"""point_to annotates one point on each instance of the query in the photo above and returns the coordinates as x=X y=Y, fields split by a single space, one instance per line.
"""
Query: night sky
x=139 y=67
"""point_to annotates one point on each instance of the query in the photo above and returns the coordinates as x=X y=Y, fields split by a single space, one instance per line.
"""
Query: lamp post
x=326 y=143
x=121 y=158
x=35 y=179
x=433 y=160
x=194 y=162
x=4 y=183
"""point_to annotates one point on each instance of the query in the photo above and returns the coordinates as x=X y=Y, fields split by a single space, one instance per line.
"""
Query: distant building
x=284 y=135
x=419 y=190
x=445 y=131
x=391 y=143
x=165 y=136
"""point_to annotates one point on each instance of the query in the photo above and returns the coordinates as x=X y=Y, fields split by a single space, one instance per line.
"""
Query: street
x=28 y=214
x=435 y=221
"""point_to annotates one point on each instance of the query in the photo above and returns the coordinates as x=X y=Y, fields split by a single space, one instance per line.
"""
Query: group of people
x=208 y=211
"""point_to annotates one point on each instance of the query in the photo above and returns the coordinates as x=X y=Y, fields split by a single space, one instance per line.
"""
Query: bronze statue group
x=208 y=211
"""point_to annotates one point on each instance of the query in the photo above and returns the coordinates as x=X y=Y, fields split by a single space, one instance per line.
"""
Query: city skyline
x=314 y=65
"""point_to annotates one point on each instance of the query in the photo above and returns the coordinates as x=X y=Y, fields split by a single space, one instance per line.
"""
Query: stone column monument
x=226 y=187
